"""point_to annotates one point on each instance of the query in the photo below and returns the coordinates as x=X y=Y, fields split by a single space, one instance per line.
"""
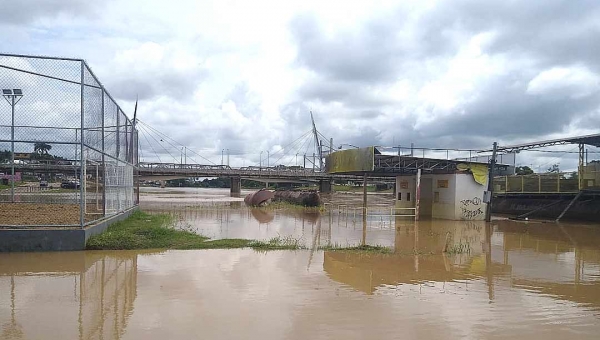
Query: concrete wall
x=444 y=199
x=17 y=240
x=451 y=196
x=469 y=198
x=404 y=193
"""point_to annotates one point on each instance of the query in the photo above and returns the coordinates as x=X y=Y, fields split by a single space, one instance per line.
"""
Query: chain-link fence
x=68 y=153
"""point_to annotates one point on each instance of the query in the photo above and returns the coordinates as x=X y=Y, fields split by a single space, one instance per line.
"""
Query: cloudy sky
x=243 y=75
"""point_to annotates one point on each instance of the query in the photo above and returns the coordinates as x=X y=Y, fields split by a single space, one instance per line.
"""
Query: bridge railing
x=536 y=184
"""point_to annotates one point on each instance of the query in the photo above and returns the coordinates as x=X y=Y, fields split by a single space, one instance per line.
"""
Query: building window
x=442 y=183
x=399 y=196
x=436 y=196
x=408 y=196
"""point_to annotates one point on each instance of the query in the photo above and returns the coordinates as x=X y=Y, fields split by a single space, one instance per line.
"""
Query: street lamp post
x=268 y=159
x=12 y=97
x=260 y=161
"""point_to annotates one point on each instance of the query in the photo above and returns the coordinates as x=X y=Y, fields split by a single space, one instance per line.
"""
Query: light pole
x=222 y=152
x=12 y=97
x=268 y=159
x=227 y=157
x=296 y=159
x=260 y=161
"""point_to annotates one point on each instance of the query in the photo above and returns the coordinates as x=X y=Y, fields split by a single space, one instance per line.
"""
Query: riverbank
x=156 y=231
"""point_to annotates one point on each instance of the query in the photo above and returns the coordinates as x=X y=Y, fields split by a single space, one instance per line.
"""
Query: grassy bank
x=2 y=186
x=145 y=231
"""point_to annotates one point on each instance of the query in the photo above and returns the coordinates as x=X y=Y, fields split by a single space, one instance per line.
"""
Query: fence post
x=81 y=165
x=522 y=183
x=103 y=162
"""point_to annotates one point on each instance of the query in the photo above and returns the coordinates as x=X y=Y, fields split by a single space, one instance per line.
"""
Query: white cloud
x=574 y=81
x=218 y=74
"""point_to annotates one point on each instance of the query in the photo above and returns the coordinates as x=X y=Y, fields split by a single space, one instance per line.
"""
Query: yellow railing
x=536 y=183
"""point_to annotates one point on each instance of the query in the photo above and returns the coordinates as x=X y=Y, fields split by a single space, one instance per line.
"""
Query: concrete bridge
x=170 y=171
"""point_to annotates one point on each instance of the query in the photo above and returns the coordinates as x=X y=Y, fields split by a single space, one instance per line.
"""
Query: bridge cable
x=166 y=150
x=146 y=138
x=290 y=147
x=176 y=146
x=292 y=142
x=306 y=140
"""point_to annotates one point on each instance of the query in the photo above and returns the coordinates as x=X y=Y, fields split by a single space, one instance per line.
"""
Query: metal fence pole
x=103 y=162
x=12 y=151
x=81 y=165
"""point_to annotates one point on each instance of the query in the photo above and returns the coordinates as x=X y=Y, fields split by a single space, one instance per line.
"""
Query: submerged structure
x=425 y=187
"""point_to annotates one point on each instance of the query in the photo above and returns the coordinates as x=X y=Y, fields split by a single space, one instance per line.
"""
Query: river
x=499 y=281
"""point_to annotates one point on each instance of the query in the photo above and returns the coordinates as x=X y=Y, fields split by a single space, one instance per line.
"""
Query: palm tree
x=41 y=148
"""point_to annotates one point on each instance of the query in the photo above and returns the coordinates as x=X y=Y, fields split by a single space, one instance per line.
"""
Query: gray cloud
x=172 y=83
x=27 y=11
x=349 y=66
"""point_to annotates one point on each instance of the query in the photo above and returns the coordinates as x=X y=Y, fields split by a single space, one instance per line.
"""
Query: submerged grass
x=157 y=231
x=145 y=231
x=360 y=248
x=289 y=206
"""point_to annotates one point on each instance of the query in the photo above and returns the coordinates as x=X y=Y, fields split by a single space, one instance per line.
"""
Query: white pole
x=418 y=195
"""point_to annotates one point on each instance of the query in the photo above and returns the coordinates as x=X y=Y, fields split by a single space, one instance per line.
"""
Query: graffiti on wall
x=471 y=208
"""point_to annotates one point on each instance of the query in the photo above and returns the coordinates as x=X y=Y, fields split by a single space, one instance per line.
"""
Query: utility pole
x=227 y=157
x=488 y=213
x=304 y=161
x=268 y=159
x=222 y=152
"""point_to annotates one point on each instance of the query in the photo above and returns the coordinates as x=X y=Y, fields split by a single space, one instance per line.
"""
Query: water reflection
x=85 y=295
x=562 y=261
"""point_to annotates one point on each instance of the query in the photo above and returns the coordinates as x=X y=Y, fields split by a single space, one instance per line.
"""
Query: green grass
x=2 y=186
x=289 y=243
x=360 y=248
x=289 y=206
x=145 y=231
x=461 y=248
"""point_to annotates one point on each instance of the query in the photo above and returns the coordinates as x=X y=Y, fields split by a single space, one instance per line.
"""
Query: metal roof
x=593 y=140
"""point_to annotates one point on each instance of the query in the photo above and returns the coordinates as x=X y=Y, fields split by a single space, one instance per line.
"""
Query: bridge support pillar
x=325 y=186
x=236 y=186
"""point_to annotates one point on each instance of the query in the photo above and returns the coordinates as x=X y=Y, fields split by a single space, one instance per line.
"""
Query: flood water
x=506 y=280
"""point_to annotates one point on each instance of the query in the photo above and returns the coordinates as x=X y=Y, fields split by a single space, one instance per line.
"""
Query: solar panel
x=18 y=92
x=6 y=92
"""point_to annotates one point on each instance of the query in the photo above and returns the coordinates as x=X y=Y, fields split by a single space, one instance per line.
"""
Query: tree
x=523 y=170
x=41 y=148
x=553 y=169
x=5 y=156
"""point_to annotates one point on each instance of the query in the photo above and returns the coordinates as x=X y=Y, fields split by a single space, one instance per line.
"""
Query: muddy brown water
x=508 y=280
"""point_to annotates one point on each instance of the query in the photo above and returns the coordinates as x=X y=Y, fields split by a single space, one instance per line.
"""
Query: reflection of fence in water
x=108 y=290
x=65 y=292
